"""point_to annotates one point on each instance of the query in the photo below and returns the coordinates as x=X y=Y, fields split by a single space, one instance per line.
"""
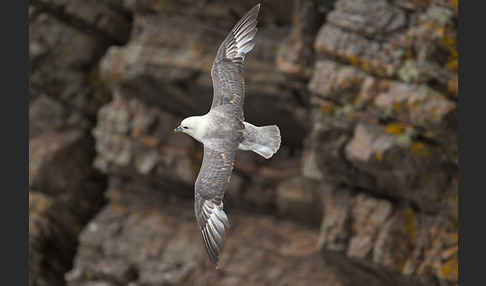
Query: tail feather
x=264 y=140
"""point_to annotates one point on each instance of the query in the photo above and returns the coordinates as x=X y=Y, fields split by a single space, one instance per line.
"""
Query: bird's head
x=189 y=126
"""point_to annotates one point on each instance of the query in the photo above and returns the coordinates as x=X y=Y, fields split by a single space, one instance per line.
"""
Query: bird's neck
x=200 y=127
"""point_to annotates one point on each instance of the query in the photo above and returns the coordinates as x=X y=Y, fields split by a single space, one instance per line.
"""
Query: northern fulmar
x=223 y=131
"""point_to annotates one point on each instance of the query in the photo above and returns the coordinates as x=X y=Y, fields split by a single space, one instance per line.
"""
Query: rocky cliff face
x=363 y=189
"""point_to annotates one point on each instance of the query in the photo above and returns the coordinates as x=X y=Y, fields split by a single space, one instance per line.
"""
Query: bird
x=223 y=130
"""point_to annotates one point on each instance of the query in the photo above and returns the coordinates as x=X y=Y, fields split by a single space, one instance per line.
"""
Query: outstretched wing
x=227 y=69
x=212 y=181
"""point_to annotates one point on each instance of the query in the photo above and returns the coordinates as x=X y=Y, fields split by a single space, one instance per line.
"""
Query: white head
x=193 y=126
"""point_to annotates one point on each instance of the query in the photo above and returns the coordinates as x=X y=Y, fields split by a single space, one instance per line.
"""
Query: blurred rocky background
x=362 y=192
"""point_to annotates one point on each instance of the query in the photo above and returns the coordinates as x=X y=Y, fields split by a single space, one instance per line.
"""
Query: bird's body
x=216 y=124
x=223 y=131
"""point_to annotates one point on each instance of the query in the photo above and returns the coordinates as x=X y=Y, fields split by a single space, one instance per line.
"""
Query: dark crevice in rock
x=36 y=62
x=379 y=194
x=151 y=88
x=156 y=80
x=394 y=199
x=58 y=12
x=301 y=99
x=122 y=11
x=442 y=88
x=70 y=205
x=383 y=274
x=356 y=189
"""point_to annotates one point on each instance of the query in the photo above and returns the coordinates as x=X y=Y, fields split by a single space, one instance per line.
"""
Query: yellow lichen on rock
x=450 y=269
x=101 y=92
x=420 y=149
x=379 y=156
x=410 y=223
x=453 y=86
x=449 y=43
x=327 y=108
x=395 y=128
x=454 y=3
x=353 y=60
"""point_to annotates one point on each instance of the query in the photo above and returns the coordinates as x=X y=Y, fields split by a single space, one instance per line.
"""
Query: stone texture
x=365 y=93
x=381 y=150
x=384 y=94
x=167 y=64
x=64 y=192
x=392 y=235
x=300 y=198
x=334 y=81
x=376 y=106
x=47 y=114
x=369 y=214
x=295 y=54
x=145 y=238
x=51 y=241
x=365 y=159
x=137 y=141
x=60 y=166
x=374 y=57
x=133 y=139
x=335 y=227
x=66 y=40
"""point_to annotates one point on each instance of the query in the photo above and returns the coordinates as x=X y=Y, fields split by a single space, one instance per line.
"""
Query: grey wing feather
x=227 y=69
x=212 y=181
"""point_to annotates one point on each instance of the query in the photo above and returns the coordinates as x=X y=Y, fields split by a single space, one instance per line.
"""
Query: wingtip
x=214 y=230
x=257 y=6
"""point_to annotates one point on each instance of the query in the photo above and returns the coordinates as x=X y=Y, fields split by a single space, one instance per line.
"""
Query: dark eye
x=185 y=127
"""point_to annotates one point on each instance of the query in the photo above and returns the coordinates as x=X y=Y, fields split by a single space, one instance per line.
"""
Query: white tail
x=264 y=140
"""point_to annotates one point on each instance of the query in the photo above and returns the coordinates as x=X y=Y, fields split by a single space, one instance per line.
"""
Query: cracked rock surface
x=363 y=190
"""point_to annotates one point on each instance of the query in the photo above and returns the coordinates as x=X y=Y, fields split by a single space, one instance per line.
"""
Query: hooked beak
x=178 y=129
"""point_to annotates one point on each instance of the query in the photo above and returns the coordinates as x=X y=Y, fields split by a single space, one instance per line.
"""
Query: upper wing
x=227 y=69
x=212 y=181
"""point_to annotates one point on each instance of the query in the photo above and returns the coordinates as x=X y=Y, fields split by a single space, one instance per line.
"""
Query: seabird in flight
x=223 y=131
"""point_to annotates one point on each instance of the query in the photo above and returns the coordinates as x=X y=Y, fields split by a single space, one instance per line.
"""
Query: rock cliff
x=363 y=190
